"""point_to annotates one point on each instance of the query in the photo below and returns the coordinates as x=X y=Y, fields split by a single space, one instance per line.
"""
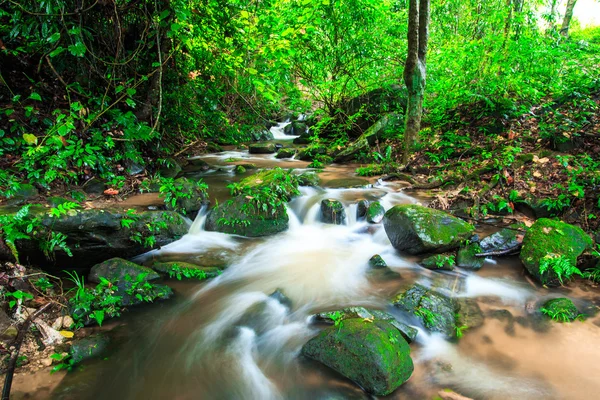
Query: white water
x=278 y=132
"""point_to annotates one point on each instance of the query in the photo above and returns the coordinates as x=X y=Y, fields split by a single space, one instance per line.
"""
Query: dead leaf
x=537 y=174
x=111 y=192
x=67 y=334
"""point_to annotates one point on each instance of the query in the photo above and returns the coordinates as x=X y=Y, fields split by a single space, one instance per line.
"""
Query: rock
x=310 y=153
x=67 y=322
x=416 y=229
x=95 y=235
x=169 y=169
x=281 y=298
x=261 y=134
x=117 y=269
x=134 y=168
x=298 y=128
x=438 y=312
x=25 y=193
x=277 y=180
x=560 y=310
x=179 y=269
x=7 y=331
x=198 y=164
x=239 y=169
x=367 y=139
x=348 y=183
x=409 y=333
x=90 y=347
x=94 y=186
x=438 y=262
x=286 y=153
x=304 y=138
x=241 y=217
x=58 y=323
x=46 y=362
x=372 y=354
x=261 y=148
x=50 y=336
x=547 y=239
x=375 y=213
x=361 y=210
x=191 y=199
x=333 y=212
x=310 y=178
x=448 y=394
x=466 y=258
x=377 y=262
x=504 y=239
x=56 y=201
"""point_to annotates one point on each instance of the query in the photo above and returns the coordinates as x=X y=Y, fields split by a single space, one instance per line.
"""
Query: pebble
x=46 y=362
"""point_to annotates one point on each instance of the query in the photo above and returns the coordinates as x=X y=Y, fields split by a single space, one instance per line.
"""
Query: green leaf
x=252 y=71
x=35 y=96
x=54 y=38
x=29 y=138
x=78 y=49
x=56 y=52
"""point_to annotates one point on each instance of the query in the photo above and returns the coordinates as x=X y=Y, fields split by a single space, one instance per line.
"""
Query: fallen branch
x=508 y=252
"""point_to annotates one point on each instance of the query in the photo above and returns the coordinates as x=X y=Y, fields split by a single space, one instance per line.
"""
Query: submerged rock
x=170 y=169
x=416 y=229
x=262 y=148
x=116 y=269
x=348 y=183
x=333 y=212
x=466 y=257
x=286 y=153
x=548 y=242
x=372 y=354
x=560 y=310
x=438 y=262
x=240 y=216
x=89 y=347
x=375 y=213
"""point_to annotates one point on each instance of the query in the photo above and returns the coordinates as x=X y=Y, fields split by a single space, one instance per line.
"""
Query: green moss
x=439 y=262
x=467 y=257
x=560 y=310
x=550 y=238
x=375 y=212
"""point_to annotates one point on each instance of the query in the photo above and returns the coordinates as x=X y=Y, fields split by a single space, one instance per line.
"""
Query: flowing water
x=229 y=339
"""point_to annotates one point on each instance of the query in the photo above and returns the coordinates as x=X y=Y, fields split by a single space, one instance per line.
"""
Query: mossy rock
x=361 y=209
x=438 y=262
x=274 y=179
x=550 y=238
x=466 y=257
x=262 y=148
x=241 y=216
x=116 y=269
x=408 y=332
x=416 y=229
x=348 y=183
x=93 y=346
x=285 y=153
x=240 y=169
x=333 y=212
x=310 y=178
x=177 y=269
x=560 y=310
x=372 y=354
x=184 y=204
x=304 y=138
x=504 y=239
x=375 y=213
x=377 y=262
x=170 y=169
x=94 y=186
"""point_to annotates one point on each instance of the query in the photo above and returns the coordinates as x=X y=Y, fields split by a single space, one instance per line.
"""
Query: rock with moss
x=169 y=169
x=554 y=245
x=416 y=229
x=285 y=153
x=116 y=269
x=304 y=138
x=333 y=212
x=504 y=239
x=240 y=169
x=93 y=346
x=377 y=262
x=560 y=310
x=262 y=148
x=189 y=197
x=310 y=178
x=361 y=209
x=408 y=332
x=278 y=181
x=24 y=194
x=372 y=354
x=348 y=183
x=375 y=213
x=310 y=153
x=94 y=186
x=466 y=257
x=241 y=216
x=439 y=312
x=439 y=262
x=367 y=139
x=94 y=236
x=260 y=134
x=185 y=270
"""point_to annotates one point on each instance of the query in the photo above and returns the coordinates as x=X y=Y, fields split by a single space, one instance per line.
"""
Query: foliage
x=174 y=190
x=17 y=296
x=97 y=304
x=65 y=362
x=557 y=314
x=560 y=265
x=175 y=271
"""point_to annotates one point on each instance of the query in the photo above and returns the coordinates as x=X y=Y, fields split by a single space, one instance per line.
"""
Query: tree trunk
x=415 y=71
x=564 y=29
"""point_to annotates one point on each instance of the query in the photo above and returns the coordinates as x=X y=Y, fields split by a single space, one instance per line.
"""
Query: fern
x=560 y=265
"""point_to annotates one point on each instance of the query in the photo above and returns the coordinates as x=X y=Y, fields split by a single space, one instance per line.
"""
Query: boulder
x=560 y=310
x=375 y=213
x=504 y=239
x=241 y=216
x=296 y=128
x=548 y=239
x=416 y=229
x=348 y=183
x=304 y=138
x=96 y=235
x=169 y=169
x=361 y=209
x=333 y=212
x=192 y=197
x=240 y=169
x=89 y=347
x=372 y=354
x=310 y=153
x=438 y=262
x=181 y=269
x=116 y=269
x=364 y=143
x=261 y=134
x=309 y=178
x=94 y=186
x=276 y=180
x=24 y=194
x=377 y=262
x=467 y=257
x=262 y=148
x=286 y=153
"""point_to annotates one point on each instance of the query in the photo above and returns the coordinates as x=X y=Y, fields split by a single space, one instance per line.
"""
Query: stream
x=229 y=339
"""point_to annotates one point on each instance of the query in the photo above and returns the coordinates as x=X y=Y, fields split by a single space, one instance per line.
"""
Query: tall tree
x=564 y=29
x=415 y=71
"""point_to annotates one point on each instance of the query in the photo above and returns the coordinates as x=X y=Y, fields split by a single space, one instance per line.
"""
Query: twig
x=12 y=364
x=187 y=147
x=507 y=252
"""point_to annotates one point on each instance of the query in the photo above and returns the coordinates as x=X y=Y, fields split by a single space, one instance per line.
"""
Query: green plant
x=43 y=284
x=17 y=296
x=175 y=190
x=190 y=273
x=428 y=317
x=442 y=260
x=65 y=362
x=94 y=304
x=560 y=265
x=559 y=315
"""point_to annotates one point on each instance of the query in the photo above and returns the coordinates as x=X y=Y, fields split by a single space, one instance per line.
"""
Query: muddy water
x=227 y=339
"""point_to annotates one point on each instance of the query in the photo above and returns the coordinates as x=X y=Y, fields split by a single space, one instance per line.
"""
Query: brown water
x=227 y=339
